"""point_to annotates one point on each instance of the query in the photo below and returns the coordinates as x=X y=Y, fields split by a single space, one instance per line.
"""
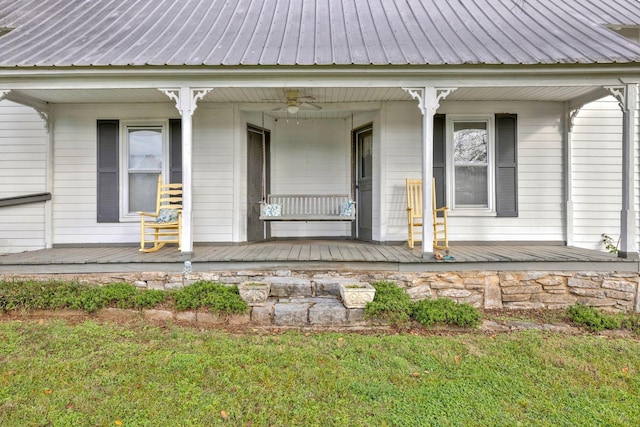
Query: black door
x=257 y=173
x=363 y=145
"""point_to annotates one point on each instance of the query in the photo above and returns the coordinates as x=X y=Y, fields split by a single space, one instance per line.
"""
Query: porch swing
x=303 y=207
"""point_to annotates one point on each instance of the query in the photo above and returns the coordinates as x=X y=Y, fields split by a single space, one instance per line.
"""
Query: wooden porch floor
x=313 y=255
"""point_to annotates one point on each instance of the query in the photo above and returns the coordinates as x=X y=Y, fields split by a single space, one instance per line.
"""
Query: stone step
x=303 y=311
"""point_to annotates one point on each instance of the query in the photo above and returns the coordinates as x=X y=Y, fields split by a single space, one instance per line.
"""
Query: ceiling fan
x=294 y=102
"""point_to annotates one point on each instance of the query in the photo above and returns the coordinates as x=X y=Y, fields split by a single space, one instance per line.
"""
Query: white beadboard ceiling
x=329 y=98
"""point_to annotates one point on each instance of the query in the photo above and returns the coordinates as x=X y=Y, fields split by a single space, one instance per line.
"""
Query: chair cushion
x=347 y=208
x=167 y=215
x=271 y=209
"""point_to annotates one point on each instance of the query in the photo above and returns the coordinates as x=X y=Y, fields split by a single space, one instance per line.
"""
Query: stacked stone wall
x=610 y=291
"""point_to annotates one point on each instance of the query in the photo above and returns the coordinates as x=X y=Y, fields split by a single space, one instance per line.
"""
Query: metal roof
x=82 y=33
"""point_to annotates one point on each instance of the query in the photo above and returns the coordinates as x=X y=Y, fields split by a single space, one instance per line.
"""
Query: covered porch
x=303 y=255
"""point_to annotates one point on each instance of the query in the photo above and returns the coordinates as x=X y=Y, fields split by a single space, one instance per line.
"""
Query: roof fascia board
x=461 y=76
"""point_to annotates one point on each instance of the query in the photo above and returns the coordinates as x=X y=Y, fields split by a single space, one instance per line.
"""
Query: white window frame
x=125 y=215
x=454 y=210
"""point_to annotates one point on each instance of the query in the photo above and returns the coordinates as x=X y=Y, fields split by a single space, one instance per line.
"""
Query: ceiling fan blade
x=310 y=106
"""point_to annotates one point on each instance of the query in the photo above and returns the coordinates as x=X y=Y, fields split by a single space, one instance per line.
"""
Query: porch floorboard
x=314 y=254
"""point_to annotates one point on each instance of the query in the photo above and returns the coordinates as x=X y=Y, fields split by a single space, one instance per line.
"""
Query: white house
x=342 y=97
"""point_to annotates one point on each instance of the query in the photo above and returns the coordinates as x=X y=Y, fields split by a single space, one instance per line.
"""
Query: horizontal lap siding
x=23 y=162
x=310 y=157
x=213 y=174
x=597 y=173
x=540 y=172
x=74 y=215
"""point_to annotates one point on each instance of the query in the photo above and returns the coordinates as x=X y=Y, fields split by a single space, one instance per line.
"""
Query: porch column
x=569 y=118
x=186 y=99
x=627 y=96
x=428 y=98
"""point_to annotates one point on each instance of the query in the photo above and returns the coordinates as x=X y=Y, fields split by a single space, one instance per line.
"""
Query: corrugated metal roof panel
x=314 y=32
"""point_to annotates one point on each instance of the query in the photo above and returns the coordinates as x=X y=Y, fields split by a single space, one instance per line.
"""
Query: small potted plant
x=356 y=295
x=254 y=293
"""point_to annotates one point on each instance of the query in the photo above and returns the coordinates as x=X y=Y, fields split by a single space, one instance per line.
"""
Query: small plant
x=608 y=244
x=391 y=304
x=593 y=319
x=216 y=297
x=428 y=312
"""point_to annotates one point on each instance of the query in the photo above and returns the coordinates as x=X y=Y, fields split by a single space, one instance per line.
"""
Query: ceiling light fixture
x=292 y=109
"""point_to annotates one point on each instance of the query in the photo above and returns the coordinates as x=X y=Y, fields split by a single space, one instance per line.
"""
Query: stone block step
x=299 y=311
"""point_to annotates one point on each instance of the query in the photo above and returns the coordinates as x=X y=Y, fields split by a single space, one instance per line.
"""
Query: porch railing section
x=24 y=199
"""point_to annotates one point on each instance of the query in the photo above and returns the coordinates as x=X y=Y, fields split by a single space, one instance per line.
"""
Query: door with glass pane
x=145 y=146
x=363 y=144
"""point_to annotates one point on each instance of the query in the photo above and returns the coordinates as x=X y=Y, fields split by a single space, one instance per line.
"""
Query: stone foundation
x=552 y=290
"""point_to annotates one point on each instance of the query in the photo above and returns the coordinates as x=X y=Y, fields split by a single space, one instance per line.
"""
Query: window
x=471 y=171
x=144 y=158
x=121 y=154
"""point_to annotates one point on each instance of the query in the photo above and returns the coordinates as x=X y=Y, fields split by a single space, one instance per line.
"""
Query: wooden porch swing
x=303 y=207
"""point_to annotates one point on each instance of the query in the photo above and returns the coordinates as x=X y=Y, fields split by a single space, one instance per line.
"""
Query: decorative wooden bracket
x=189 y=103
x=425 y=102
x=620 y=94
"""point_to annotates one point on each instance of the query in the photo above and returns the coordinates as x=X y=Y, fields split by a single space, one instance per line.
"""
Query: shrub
x=216 y=297
x=428 y=312
x=390 y=303
x=57 y=295
x=593 y=319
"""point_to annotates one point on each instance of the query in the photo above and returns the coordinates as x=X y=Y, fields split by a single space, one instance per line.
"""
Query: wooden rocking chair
x=165 y=225
x=414 y=212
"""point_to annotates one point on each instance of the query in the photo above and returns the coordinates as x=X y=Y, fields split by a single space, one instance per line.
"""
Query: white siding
x=540 y=172
x=597 y=173
x=23 y=160
x=311 y=157
x=74 y=209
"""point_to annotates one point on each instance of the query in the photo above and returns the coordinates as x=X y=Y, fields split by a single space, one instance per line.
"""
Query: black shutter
x=506 y=165
x=107 y=187
x=439 y=157
x=175 y=150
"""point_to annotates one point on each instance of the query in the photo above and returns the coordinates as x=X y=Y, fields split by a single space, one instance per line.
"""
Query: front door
x=363 y=145
x=257 y=174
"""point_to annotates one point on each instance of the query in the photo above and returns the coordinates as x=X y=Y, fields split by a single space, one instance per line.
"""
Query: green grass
x=54 y=374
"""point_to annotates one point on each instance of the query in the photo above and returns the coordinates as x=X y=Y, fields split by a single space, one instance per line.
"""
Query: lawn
x=57 y=374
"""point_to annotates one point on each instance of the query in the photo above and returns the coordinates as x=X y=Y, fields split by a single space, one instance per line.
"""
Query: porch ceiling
x=331 y=98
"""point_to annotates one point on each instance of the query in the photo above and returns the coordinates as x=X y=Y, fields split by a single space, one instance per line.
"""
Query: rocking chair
x=165 y=224
x=414 y=212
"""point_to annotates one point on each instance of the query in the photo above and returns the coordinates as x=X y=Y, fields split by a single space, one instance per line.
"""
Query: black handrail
x=23 y=200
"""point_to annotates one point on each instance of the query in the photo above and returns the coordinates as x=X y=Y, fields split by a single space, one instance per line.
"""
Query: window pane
x=471 y=186
x=470 y=142
x=142 y=192
x=145 y=149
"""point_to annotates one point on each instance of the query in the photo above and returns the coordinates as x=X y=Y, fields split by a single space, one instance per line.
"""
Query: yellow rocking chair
x=414 y=213
x=165 y=224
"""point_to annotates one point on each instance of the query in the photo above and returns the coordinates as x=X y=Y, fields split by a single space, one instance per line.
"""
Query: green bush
x=58 y=295
x=216 y=297
x=428 y=312
x=390 y=304
x=593 y=319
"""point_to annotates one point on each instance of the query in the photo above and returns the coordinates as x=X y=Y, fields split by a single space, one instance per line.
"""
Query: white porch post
x=569 y=118
x=186 y=99
x=627 y=96
x=429 y=98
